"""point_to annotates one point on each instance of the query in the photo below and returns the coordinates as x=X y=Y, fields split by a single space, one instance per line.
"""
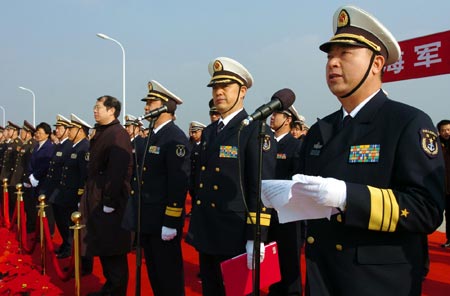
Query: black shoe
x=446 y=245
x=63 y=255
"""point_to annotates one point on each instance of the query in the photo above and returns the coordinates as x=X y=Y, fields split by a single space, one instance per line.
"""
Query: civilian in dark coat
x=444 y=135
x=37 y=170
x=106 y=194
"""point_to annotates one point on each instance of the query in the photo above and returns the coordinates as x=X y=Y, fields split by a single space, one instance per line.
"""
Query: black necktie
x=346 y=120
x=220 y=127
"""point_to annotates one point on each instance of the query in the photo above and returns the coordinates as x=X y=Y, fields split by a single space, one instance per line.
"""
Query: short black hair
x=45 y=127
x=111 y=102
x=442 y=122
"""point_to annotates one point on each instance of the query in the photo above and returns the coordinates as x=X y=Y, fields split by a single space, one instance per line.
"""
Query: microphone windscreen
x=286 y=97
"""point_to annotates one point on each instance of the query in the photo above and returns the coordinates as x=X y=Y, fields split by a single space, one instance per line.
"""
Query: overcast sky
x=51 y=47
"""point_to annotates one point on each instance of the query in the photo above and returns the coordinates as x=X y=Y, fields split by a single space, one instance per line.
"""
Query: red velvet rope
x=6 y=209
x=23 y=230
x=64 y=276
x=14 y=218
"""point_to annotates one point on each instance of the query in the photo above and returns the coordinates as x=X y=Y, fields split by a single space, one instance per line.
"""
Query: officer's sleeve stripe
x=376 y=208
x=173 y=212
x=387 y=210
x=263 y=221
x=384 y=210
x=395 y=211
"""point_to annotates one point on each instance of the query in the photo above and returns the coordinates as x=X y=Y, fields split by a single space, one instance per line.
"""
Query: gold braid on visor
x=359 y=38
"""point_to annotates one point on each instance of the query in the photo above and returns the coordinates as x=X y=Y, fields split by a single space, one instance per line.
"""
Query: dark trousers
x=447 y=216
x=288 y=238
x=164 y=264
x=115 y=270
x=211 y=274
x=63 y=222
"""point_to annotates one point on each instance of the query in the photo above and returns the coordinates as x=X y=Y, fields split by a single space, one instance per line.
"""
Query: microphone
x=155 y=113
x=281 y=100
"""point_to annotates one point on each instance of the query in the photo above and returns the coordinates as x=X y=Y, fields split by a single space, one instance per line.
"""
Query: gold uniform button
x=215 y=187
x=339 y=218
x=217 y=169
x=200 y=185
x=132 y=192
x=144 y=168
x=198 y=202
x=310 y=240
x=203 y=168
x=339 y=247
x=134 y=179
x=142 y=182
x=213 y=205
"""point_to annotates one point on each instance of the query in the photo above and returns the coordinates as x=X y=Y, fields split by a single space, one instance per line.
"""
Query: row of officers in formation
x=381 y=171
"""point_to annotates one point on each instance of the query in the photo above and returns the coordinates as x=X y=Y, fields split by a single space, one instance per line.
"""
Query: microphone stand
x=257 y=240
x=139 y=210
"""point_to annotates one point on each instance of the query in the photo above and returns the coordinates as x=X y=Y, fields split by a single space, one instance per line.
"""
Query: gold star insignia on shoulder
x=404 y=213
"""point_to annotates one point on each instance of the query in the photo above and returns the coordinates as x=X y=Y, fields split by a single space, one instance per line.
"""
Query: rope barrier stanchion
x=6 y=220
x=19 y=226
x=42 y=215
x=76 y=218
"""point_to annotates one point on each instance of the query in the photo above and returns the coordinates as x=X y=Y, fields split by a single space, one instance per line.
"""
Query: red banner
x=421 y=57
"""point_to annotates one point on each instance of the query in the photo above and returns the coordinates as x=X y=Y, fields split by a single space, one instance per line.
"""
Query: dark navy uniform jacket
x=21 y=163
x=53 y=177
x=219 y=223
x=288 y=153
x=9 y=157
x=40 y=161
x=73 y=175
x=164 y=183
x=390 y=159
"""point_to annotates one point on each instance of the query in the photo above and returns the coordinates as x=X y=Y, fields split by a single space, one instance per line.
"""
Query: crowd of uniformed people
x=376 y=162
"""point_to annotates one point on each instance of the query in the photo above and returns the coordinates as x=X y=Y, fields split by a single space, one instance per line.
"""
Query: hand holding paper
x=168 y=233
x=325 y=191
x=249 y=248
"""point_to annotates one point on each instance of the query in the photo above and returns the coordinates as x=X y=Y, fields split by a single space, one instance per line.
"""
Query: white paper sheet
x=281 y=195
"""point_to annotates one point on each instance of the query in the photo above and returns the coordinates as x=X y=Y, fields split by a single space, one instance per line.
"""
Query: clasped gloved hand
x=325 y=191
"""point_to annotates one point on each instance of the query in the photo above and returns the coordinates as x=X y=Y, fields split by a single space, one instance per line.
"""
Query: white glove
x=249 y=248
x=329 y=192
x=26 y=185
x=108 y=210
x=33 y=181
x=167 y=233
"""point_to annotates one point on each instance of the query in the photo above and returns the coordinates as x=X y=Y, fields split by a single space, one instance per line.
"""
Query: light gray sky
x=51 y=47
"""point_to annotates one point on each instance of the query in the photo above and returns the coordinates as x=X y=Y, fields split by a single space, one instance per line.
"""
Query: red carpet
x=436 y=283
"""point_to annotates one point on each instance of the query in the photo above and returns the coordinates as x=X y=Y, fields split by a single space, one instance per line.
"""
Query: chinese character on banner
x=421 y=57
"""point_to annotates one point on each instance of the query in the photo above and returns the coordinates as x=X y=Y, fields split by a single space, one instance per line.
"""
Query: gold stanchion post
x=5 y=190
x=76 y=218
x=41 y=213
x=19 y=228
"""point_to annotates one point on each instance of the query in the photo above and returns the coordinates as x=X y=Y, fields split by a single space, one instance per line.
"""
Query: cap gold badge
x=218 y=66
x=343 y=19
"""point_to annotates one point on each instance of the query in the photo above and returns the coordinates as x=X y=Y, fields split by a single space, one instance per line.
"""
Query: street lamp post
x=34 y=103
x=103 y=36
x=3 y=109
